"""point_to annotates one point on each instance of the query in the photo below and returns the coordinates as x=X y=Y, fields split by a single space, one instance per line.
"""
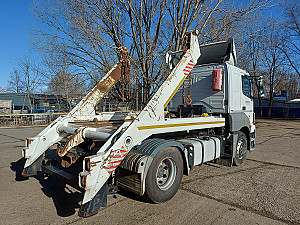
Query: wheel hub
x=166 y=173
x=241 y=148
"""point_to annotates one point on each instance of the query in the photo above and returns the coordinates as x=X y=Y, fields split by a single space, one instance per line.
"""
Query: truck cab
x=233 y=99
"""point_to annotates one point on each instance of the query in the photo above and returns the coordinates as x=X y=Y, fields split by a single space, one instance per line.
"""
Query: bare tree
x=291 y=24
x=65 y=85
x=75 y=29
x=225 y=19
x=252 y=58
x=293 y=86
x=267 y=52
x=16 y=82
x=289 y=81
x=25 y=77
x=3 y=89
x=89 y=32
x=251 y=49
x=62 y=80
x=273 y=59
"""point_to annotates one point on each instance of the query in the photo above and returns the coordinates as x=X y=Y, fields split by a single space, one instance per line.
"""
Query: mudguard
x=151 y=147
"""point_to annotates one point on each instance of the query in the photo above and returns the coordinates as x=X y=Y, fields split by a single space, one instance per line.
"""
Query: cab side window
x=246 y=85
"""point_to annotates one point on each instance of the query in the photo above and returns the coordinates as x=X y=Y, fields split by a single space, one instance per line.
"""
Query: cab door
x=240 y=100
x=247 y=99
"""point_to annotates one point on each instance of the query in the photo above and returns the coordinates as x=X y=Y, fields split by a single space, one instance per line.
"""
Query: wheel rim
x=166 y=173
x=241 y=148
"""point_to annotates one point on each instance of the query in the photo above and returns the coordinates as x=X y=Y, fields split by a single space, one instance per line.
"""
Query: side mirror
x=260 y=86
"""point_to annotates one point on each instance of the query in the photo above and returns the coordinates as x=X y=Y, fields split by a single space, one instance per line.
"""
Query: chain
x=183 y=93
x=188 y=99
x=186 y=42
x=186 y=46
x=125 y=71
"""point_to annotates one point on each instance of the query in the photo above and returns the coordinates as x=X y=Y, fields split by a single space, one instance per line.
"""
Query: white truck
x=202 y=112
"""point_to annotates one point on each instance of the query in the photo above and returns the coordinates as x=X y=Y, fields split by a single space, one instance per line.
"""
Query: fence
x=113 y=106
x=12 y=120
x=279 y=109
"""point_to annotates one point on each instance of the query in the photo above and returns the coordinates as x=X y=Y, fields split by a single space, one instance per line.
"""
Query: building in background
x=34 y=103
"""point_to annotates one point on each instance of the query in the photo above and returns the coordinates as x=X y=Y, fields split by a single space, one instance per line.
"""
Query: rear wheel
x=241 y=149
x=164 y=175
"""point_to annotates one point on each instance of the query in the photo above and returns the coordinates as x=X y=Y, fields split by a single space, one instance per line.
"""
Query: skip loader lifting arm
x=85 y=110
x=98 y=168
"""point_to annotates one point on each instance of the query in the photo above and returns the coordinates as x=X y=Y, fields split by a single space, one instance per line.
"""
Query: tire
x=241 y=149
x=164 y=175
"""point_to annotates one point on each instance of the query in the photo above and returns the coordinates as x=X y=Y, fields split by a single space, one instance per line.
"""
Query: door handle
x=244 y=108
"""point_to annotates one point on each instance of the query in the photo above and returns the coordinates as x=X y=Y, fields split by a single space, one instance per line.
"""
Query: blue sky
x=15 y=20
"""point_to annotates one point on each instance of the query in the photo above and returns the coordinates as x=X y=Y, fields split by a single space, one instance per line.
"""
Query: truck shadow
x=133 y=196
x=66 y=200
x=17 y=167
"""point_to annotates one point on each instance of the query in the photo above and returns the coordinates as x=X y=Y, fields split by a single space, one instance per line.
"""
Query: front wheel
x=164 y=175
x=241 y=149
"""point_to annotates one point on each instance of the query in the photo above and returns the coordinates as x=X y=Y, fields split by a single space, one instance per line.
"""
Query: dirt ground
x=264 y=190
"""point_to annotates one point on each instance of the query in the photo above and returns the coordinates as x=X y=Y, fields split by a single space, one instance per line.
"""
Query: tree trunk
x=271 y=96
x=270 y=106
